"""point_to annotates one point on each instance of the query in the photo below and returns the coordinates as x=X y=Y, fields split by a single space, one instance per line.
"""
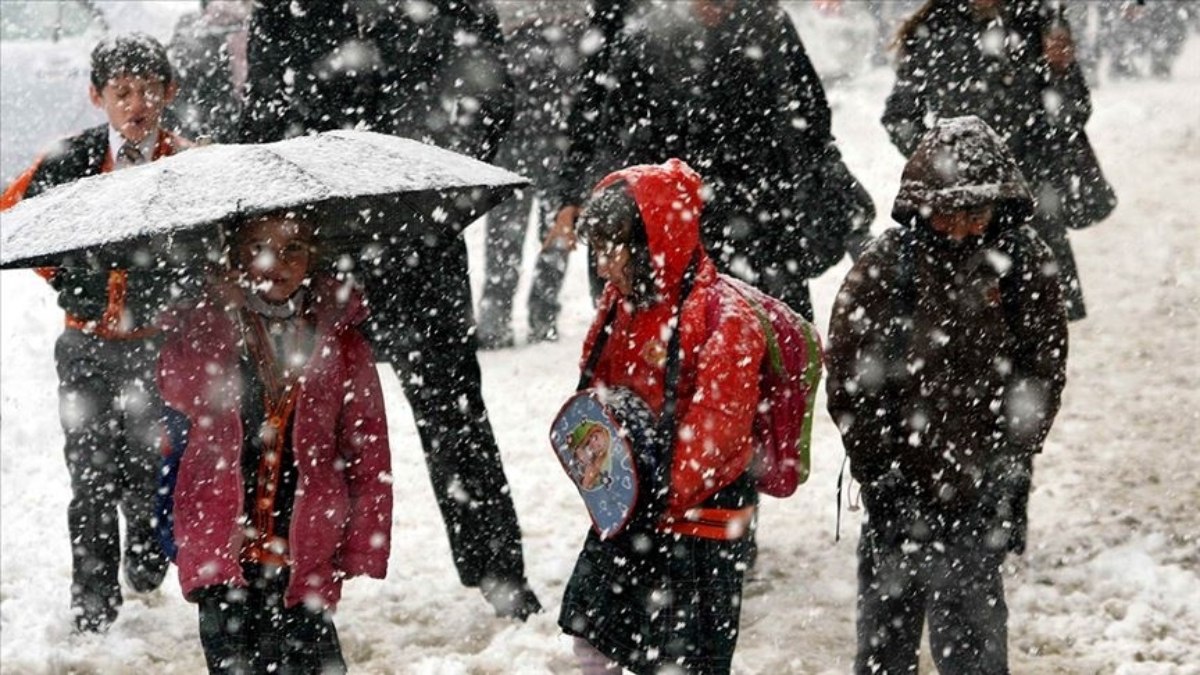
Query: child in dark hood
x=666 y=593
x=988 y=58
x=284 y=485
x=947 y=358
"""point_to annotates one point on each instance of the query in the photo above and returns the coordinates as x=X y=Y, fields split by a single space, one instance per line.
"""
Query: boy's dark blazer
x=100 y=301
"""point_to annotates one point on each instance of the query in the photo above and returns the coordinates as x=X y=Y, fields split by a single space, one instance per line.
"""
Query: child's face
x=274 y=253
x=612 y=264
x=134 y=104
x=958 y=225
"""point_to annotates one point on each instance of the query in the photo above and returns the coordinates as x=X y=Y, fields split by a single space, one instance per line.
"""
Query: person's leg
x=293 y=640
x=891 y=607
x=86 y=396
x=423 y=327
x=145 y=563
x=547 y=282
x=720 y=606
x=505 y=237
x=224 y=628
x=968 y=618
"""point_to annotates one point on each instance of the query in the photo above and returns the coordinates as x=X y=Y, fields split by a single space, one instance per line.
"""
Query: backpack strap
x=666 y=421
x=589 y=368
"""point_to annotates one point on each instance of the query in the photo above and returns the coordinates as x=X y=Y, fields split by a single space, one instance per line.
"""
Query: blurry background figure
x=542 y=42
x=433 y=71
x=1012 y=64
x=729 y=88
x=1144 y=38
x=208 y=51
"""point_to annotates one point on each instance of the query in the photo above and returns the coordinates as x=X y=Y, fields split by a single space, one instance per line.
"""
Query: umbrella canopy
x=365 y=191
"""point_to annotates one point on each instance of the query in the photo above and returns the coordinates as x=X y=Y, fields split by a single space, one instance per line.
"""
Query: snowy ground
x=1111 y=583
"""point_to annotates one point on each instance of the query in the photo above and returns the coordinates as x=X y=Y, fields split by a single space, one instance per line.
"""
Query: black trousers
x=110 y=412
x=422 y=323
x=247 y=631
x=957 y=587
x=506 y=226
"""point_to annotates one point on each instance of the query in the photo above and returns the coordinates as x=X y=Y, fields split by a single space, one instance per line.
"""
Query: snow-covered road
x=1111 y=583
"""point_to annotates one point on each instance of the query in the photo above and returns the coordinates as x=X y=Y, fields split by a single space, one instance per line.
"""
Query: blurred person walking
x=109 y=406
x=208 y=50
x=542 y=45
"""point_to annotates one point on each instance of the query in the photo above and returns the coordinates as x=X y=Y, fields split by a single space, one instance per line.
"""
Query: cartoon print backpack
x=606 y=442
x=788 y=379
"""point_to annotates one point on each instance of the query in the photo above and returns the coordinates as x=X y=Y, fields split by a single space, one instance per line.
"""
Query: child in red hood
x=668 y=593
x=284 y=486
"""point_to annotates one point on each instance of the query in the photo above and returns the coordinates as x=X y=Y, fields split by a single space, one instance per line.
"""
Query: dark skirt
x=650 y=600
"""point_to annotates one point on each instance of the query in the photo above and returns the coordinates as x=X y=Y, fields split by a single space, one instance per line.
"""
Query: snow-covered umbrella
x=365 y=190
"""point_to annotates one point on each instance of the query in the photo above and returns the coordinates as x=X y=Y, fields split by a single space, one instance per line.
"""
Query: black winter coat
x=84 y=292
x=542 y=48
x=432 y=71
x=742 y=104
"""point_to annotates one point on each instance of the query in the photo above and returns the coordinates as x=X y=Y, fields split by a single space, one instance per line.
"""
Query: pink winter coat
x=342 y=514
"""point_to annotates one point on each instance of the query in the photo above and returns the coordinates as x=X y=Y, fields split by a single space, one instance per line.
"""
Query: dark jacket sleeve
x=587 y=117
x=268 y=96
x=1033 y=300
x=808 y=94
x=485 y=66
x=864 y=358
x=904 y=112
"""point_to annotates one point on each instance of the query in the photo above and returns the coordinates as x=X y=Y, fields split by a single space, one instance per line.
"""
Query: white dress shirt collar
x=116 y=141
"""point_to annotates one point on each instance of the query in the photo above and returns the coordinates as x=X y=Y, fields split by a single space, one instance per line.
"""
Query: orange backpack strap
x=14 y=193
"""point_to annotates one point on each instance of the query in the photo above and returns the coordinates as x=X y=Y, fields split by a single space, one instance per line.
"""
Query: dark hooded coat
x=953 y=63
x=742 y=104
x=946 y=363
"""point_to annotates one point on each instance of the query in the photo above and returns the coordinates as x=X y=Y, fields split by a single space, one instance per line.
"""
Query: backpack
x=788 y=379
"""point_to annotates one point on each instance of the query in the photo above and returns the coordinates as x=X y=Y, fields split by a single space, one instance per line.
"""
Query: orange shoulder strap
x=15 y=192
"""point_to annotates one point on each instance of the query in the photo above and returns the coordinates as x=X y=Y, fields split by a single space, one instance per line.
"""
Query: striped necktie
x=132 y=154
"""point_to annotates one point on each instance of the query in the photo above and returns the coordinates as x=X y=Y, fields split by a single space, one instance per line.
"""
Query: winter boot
x=144 y=563
x=511 y=599
x=93 y=613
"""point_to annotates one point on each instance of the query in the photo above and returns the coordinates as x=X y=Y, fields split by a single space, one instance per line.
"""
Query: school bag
x=174 y=443
x=787 y=391
x=789 y=376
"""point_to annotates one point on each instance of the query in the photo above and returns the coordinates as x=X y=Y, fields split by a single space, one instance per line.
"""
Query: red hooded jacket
x=342 y=514
x=717 y=392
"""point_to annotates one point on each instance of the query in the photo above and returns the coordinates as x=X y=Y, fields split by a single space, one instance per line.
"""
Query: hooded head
x=655 y=209
x=962 y=165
